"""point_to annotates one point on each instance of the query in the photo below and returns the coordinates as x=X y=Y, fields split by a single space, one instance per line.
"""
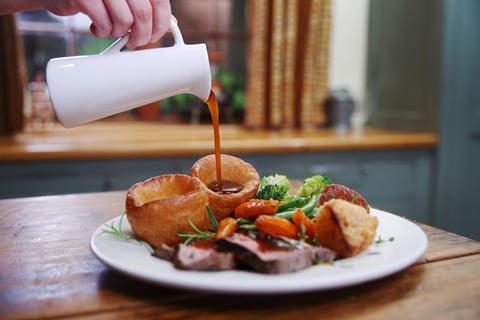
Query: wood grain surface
x=48 y=271
x=135 y=140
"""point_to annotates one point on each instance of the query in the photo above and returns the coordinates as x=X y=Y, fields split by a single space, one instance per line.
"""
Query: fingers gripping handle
x=117 y=45
x=122 y=42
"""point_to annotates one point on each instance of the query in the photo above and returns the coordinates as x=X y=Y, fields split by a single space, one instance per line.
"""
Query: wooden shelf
x=106 y=140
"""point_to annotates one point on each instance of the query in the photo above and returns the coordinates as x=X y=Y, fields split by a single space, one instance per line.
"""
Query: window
x=219 y=23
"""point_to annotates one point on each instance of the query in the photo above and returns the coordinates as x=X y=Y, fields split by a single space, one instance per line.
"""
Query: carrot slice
x=254 y=208
x=240 y=210
x=275 y=226
x=226 y=227
x=299 y=218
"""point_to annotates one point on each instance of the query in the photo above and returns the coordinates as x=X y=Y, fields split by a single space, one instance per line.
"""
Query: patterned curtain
x=287 y=63
x=12 y=77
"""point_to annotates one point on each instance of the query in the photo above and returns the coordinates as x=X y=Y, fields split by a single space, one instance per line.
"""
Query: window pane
x=39 y=48
x=88 y=44
x=37 y=16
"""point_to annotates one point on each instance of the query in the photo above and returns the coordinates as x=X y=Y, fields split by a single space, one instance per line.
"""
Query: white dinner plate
x=404 y=243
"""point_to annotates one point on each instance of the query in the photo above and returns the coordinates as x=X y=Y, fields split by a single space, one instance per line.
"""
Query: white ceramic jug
x=87 y=88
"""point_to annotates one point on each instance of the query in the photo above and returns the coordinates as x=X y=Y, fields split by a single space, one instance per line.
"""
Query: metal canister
x=339 y=108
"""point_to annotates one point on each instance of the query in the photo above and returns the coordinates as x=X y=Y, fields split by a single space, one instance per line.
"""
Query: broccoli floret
x=313 y=185
x=273 y=187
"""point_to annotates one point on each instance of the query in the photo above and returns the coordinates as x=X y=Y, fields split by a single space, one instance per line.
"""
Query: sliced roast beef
x=323 y=255
x=267 y=254
x=192 y=257
x=164 y=252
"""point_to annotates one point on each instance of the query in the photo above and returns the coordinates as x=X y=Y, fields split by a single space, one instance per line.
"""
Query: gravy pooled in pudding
x=226 y=187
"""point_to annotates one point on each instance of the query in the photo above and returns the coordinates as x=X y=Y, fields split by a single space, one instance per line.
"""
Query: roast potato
x=344 y=227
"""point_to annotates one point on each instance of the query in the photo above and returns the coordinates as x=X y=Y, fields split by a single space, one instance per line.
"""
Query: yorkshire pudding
x=160 y=207
x=233 y=169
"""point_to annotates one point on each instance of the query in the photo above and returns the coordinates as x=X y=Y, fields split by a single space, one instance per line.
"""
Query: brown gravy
x=220 y=186
x=265 y=246
x=226 y=187
x=204 y=243
x=213 y=107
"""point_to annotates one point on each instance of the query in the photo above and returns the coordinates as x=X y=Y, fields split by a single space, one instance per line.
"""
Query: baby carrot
x=276 y=226
x=226 y=227
x=254 y=208
x=300 y=218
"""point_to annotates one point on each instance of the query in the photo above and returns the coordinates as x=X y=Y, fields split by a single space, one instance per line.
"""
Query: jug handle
x=122 y=42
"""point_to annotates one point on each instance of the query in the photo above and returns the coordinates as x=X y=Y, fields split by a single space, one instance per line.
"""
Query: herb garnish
x=212 y=219
x=200 y=235
x=354 y=198
x=117 y=232
x=380 y=240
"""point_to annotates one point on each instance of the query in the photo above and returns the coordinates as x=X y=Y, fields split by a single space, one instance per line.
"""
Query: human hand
x=148 y=20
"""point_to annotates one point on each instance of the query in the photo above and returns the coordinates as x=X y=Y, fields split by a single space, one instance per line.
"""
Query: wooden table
x=48 y=271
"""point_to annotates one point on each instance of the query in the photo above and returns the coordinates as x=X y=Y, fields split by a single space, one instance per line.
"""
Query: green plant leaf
x=212 y=218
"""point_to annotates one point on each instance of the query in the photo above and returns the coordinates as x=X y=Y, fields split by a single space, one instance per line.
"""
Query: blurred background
x=380 y=95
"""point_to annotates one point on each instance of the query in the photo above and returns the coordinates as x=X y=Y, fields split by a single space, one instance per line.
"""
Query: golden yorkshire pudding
x=160 y=207
x=233 y=169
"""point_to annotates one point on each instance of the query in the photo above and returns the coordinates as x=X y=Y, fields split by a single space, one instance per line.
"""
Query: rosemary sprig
x=199 y=235
x=212 y=218
x=117 y=232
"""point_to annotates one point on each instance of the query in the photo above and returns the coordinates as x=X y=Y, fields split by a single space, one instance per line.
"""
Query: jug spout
x=202 y=86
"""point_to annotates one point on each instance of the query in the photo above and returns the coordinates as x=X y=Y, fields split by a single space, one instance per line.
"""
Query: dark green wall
x=458 y=196
x=404 y=63
x=424 y=74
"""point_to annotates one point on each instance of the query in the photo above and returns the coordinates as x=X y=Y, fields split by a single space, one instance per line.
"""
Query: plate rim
x=346 y=281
